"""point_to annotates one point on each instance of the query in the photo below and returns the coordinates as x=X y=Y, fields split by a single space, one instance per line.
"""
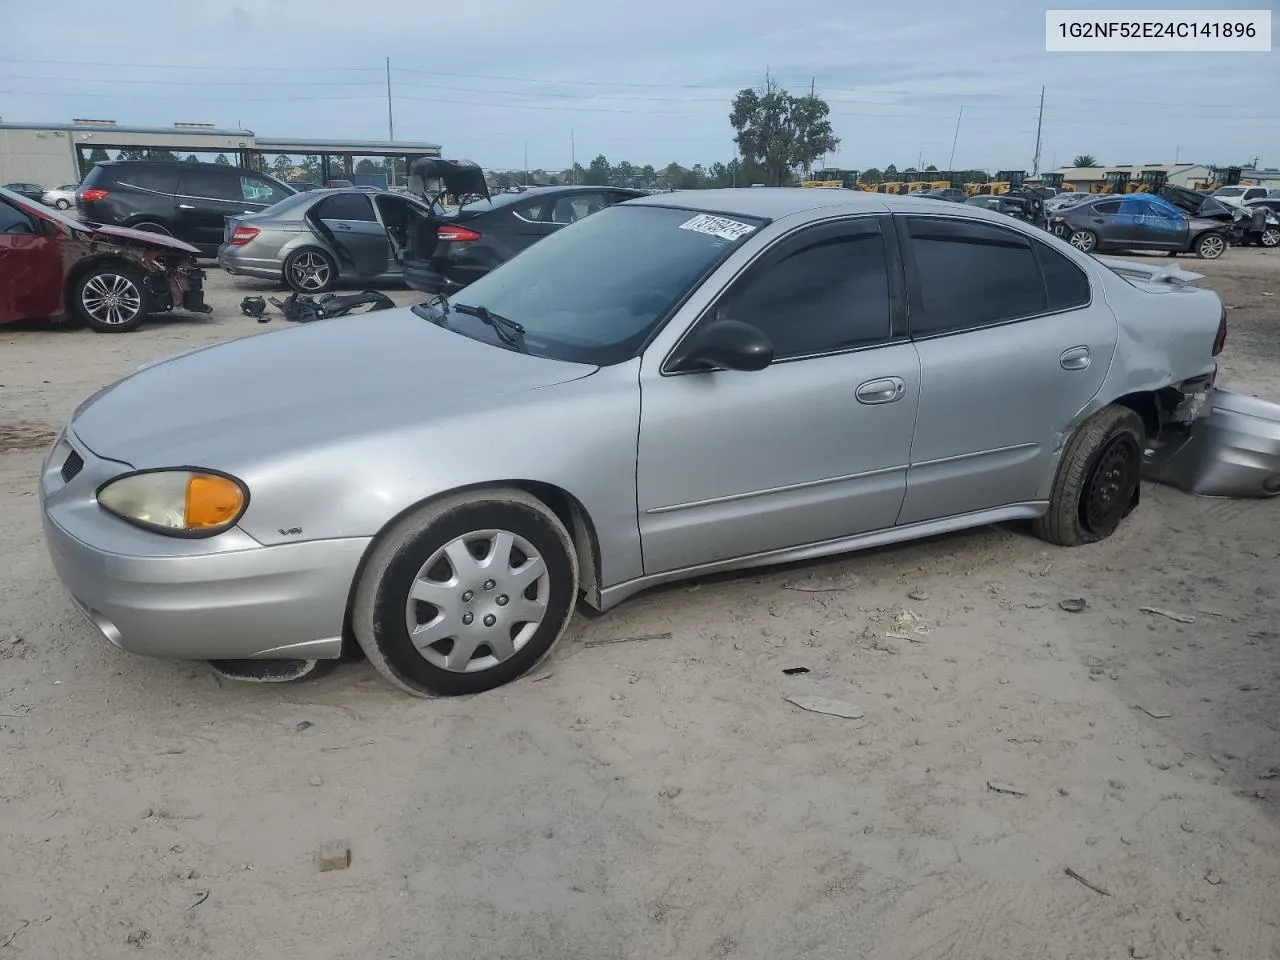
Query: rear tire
x=111 y=298
x=150 y=226
x=466 y=594
x=62 y=204
x=1270 y=237
x=310 y=271
x=1098 y=479
x=1210 y=246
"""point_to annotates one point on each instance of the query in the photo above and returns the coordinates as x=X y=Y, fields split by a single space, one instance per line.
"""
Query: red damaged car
x=109 y=278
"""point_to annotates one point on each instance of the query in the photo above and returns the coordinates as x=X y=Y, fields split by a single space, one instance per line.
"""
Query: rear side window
x=211 y=184
x=345 y=206
x=154 y=179
x=1066 y=285
x=532 y=210
x=972 y=275
x=258 y=190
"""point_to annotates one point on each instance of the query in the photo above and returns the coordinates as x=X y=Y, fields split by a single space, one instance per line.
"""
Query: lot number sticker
x=720 y=227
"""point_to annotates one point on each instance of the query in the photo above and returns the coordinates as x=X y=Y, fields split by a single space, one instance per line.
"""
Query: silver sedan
x=680 y=384
x=318 y=238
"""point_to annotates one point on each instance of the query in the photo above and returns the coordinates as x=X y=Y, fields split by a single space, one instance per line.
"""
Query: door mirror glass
x=726 y=344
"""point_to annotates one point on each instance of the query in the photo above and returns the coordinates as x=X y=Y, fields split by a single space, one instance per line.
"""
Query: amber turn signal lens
x=212 y=501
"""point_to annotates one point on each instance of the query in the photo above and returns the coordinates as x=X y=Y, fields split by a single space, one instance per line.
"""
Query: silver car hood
x=302 y=386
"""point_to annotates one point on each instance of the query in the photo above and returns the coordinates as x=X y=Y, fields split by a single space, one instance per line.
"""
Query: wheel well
x=102 y=260
x=1150 y=406
x=563 y=504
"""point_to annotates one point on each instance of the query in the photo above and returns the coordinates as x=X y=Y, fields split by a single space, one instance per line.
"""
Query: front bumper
x=1233 y=450
x=225 y=597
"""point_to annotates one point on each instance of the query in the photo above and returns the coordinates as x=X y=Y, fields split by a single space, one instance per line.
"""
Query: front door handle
x=884 y=390
x=1077 y=358
x=185 y=206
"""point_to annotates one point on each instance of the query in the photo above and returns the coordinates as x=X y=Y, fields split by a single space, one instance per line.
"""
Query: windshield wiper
x=508 y=331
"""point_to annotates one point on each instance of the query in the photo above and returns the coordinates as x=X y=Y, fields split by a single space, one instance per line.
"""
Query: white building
x=1178 y=174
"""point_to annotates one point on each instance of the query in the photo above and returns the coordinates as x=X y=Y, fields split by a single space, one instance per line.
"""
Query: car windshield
x=595 y=290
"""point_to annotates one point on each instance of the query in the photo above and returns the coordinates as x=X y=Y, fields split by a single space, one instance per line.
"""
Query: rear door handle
x=884 y=390
x=185 y=206
x=1077 y=358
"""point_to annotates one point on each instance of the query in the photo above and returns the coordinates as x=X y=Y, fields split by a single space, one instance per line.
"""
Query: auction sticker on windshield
x=721 y=227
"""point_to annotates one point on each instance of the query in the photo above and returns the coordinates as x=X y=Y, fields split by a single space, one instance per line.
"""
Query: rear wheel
x=1210 y=246
x=62 y=203
x=1083 y=240
x=1097 y=481
x=310 y=271
x=1270 y=237
x=110 y=298
x=467 y=593
x=150 y=226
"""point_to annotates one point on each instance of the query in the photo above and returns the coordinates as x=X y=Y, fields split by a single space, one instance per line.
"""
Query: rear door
x=1012 y=346
x=1164 y=226
x=348 y=223
x=528 y=222
x=206 y=196
x=30 y=267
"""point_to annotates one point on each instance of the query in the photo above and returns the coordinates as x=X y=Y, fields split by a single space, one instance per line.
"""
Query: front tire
x=150 y=226
x=110 y=299
x=1210 y=246
x=1086 y=241
x=466 y=594
x=1270 y=237
x=1097 y=482
x=310 y=271
x=62 y=203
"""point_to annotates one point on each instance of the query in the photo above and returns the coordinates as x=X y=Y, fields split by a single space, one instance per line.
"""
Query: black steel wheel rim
x=1109 y=489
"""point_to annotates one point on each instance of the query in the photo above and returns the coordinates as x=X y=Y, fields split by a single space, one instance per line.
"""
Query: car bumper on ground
x=224 y=597
x=1231 y=451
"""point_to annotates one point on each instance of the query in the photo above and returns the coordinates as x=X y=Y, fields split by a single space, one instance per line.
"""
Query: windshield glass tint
x=595 y=290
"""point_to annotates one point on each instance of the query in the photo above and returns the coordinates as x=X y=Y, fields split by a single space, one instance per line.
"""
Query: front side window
x=594 y=291
x=972 y=275
x=211 y=185
x=13 y=220
x=828 y=295
x=1107 y=207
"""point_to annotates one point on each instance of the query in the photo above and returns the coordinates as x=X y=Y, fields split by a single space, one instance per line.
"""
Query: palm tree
x=1085 y=160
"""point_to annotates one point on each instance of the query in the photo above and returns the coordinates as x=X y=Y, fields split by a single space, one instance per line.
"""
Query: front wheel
x=466 y=594
x=1210 y=246
x=62 y=203
x=1270 y=237
x=110 y=299
x=1083 y=240
x=1097 y=481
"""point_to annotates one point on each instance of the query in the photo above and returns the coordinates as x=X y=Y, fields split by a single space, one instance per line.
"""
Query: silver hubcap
x=1271 y=237
x=477 y=601
x=1082 y=241
x=310 y=271
x=112 y=299
x=1211 y=246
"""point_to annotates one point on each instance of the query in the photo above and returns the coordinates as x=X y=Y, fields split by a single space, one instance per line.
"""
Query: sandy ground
x=661 y=798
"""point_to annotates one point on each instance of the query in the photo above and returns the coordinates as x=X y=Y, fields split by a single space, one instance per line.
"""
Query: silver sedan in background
x=676 y=385
x=318 y=238
x=63 y=197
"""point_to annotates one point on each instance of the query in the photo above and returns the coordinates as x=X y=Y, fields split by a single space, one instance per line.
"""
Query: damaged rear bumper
x=1232 y=449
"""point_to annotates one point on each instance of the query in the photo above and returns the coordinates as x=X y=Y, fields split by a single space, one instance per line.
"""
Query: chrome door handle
x=1077 y=358
x=185 y=206
x=884 y=390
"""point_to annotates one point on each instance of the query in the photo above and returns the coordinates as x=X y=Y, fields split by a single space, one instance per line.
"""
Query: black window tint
x=1107 y=207
x=345 y=206
x=13 y=220
x=1066 y=284
x=830 y=295
x=258 y=190
x=532 y=210
x=156 y=179
x=211 y=185
x=971 y=276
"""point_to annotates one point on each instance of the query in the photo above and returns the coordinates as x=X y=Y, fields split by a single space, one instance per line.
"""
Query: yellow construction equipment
x=832 y=180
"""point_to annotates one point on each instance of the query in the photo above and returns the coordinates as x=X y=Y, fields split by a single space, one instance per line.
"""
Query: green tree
x=96 y=156
x=931 y=169
x=781 y=132
x=367 y=166
x=132 y=154
x=282 y=166
x=648 y=177
x=624 y=174
x=871 y=176
x=1084 y=160
x=598 y=173
x=222 y=161
x=890 y=172
x=192 y=158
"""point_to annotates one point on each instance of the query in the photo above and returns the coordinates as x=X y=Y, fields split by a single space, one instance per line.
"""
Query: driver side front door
x=812 y=448
x=30 y=267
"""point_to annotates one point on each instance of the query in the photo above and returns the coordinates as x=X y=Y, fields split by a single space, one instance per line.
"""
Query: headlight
x=180 y=503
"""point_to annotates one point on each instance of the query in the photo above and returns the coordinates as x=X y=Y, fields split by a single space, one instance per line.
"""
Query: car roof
x=774 y=202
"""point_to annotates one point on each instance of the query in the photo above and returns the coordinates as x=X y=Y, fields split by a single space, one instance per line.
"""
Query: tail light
x=452 y=234
x=92 y=195
x=243 y=235
x=1220 y=340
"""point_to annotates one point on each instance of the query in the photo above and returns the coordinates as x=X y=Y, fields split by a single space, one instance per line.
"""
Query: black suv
x=190 y=201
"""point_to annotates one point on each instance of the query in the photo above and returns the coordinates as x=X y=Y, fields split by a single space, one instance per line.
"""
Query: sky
x=648 y=83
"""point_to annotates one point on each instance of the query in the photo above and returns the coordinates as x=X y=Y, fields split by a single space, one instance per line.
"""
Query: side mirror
x=727 y=344
x=48 y=227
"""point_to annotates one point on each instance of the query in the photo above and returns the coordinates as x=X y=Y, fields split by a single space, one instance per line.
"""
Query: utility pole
x=1035 y=163
x=391 y=124
x=526 y=163
x=952 y=161
x=573 y=160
